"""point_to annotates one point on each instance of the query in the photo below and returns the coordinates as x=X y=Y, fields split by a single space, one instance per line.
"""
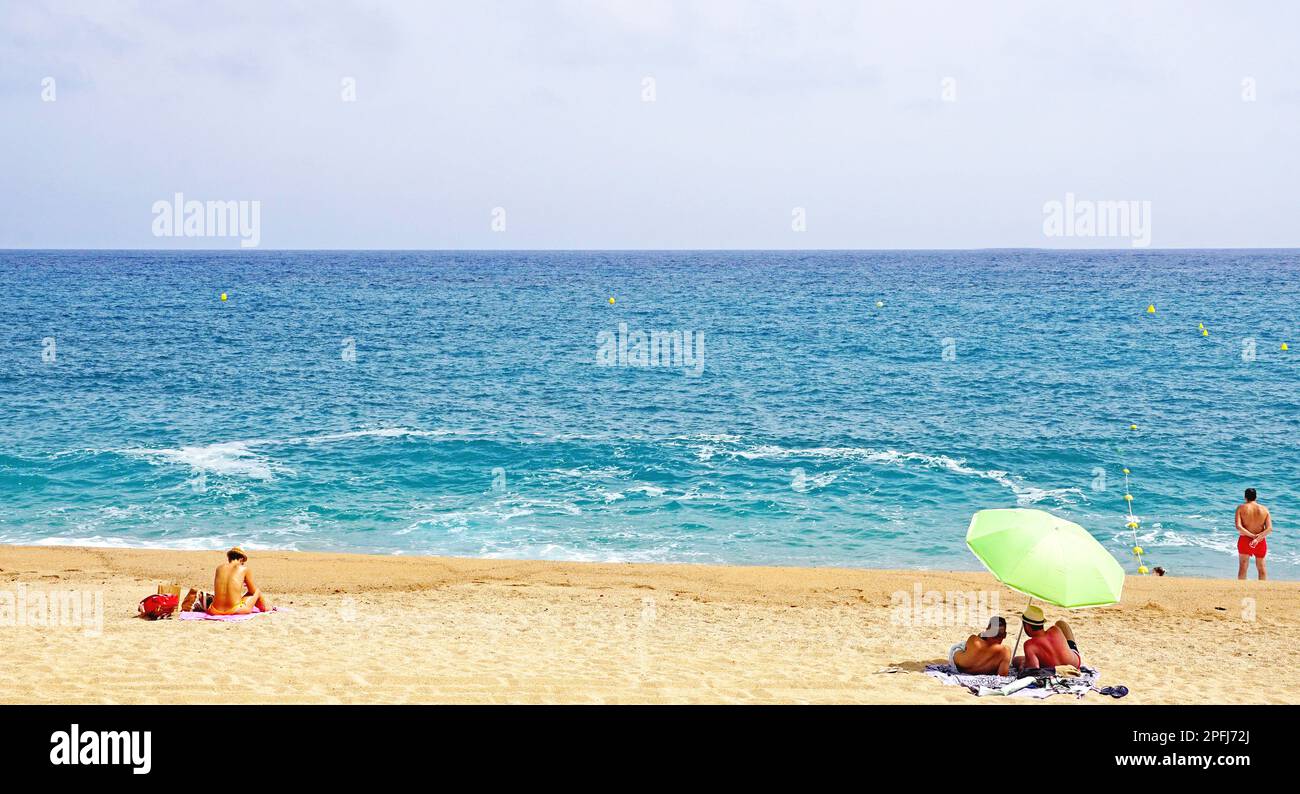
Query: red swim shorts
x=1243 y=547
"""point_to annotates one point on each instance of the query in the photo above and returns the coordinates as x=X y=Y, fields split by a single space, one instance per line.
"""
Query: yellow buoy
x=1128 y=497
x=1137 y=549
x=1132 y=427
x=611 y=301
x=1284 y=347
x=1204 y=332
x=1132 y=525
x=1142 y=569
x=1151 y=309
x=223 y=296
x=1126 y=471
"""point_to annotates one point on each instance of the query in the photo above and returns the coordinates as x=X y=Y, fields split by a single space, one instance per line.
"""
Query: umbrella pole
x=1019 y=633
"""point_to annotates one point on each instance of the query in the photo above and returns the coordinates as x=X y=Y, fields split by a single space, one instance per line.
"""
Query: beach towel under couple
x=1040 y=685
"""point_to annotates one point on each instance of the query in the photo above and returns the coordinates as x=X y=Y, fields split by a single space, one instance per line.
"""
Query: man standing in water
x=1253 y=523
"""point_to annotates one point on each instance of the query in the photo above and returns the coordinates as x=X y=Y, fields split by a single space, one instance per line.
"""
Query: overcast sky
x=759 y=108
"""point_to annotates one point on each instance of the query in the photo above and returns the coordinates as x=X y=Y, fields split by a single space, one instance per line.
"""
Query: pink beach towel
x=232 y=618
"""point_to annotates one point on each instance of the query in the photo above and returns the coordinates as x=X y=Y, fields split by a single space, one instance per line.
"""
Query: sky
x=520 y=124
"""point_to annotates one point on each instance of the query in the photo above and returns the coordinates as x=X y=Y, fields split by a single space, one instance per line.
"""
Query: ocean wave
x=593 y=472
x=88 y=520
x=377 y=432
x=723 y=438
x=1155 y=539
x=1025 y=494
x=571 y=553
x=205 y=543
x=500 y=512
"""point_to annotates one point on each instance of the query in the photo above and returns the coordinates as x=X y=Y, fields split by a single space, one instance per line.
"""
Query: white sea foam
x=238 y=458
x=516 y=512
x=226 y=458
x=817 y=481
x=455 y=521
x=648 y=490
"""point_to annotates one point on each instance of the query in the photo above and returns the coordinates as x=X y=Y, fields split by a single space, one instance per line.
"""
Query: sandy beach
x=392 y=629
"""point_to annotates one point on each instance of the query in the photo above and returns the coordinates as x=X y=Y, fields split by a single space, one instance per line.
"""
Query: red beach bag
x=158 y=606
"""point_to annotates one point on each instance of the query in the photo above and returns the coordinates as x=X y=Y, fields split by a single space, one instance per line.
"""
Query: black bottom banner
x=145 y=744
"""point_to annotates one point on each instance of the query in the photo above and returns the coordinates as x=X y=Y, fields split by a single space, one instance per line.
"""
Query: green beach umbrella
x=1035 y=553
x=1045 y=557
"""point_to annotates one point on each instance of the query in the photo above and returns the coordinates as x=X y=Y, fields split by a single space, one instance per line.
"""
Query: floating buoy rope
x=1133 y=523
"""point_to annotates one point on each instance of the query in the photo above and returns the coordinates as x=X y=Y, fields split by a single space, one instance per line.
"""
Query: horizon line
x=260 y=249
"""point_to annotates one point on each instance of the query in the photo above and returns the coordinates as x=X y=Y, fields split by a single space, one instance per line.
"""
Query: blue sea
x=845 y=408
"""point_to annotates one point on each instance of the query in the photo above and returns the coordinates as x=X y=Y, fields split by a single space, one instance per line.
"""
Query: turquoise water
x=821 y=429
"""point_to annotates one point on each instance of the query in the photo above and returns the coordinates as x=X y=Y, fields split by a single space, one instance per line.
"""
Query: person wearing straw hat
x=233 y=591
x=1047 y=647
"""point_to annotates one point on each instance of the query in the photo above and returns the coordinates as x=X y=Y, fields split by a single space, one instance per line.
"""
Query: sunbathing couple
x=985 y=654
x=233 y=591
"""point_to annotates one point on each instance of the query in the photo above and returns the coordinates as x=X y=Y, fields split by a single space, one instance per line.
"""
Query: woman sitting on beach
x=233 y=591
x=983 y=653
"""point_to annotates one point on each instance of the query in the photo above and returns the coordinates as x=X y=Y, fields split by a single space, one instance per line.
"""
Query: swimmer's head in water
x=1250 y=494
x=236 y=554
